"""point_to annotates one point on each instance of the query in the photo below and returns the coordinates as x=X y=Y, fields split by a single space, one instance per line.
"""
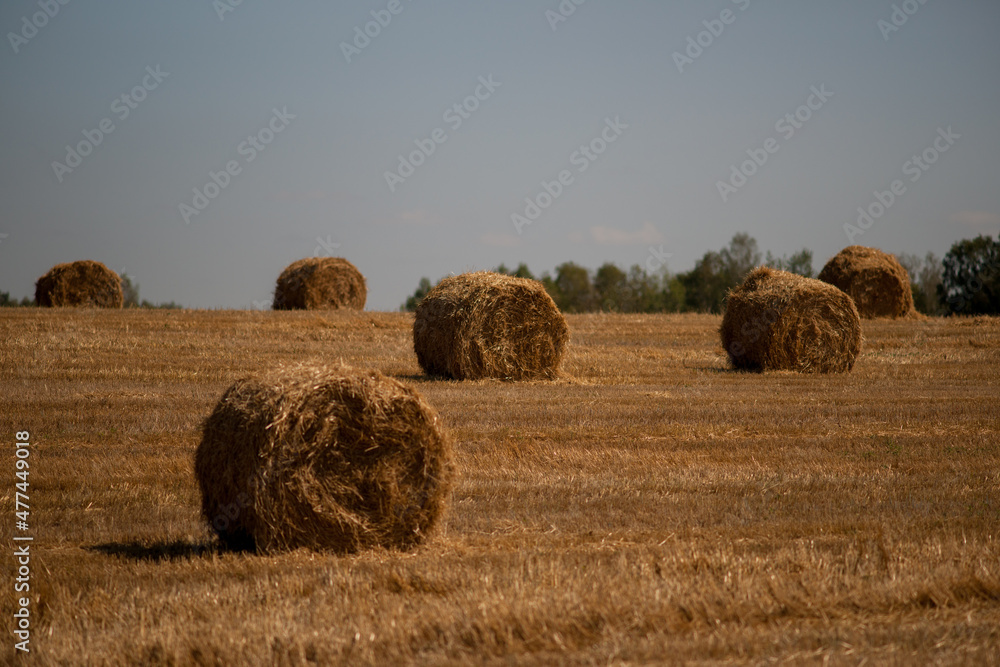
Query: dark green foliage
x=925 y=276
x=800 y=263
x=970 y=281
x=522 y=271
x=574 y=292
x=414 y=299
x=706 y=285
x=610 y=288
x=130 y=292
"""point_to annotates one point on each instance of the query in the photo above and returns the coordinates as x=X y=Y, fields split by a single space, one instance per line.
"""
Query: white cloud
x=647 y=234
x=501 y=240
x=976 y=219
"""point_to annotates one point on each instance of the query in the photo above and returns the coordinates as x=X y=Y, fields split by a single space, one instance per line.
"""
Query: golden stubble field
x=652 y=507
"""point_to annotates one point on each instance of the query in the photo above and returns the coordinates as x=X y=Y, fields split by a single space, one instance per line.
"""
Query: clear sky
x=331 y=111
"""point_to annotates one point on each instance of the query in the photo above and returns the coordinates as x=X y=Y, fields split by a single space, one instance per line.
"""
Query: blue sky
x=320 y=187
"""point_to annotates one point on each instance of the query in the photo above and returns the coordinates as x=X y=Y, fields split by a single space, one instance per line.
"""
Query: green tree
x=412 y=301
x=800 y=262
x=6 y=301
x=674 y=295
x=706 y=284
x=645 y=291
x=130 y=292
x=925 y=276
x=523 y=271
x=575 y=294
x=970 y=279
x=611 y=289
x=740 y=257
x=549 y=283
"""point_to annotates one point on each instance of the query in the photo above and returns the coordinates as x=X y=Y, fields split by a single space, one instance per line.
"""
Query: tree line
x=966 y=281
x=130 y=298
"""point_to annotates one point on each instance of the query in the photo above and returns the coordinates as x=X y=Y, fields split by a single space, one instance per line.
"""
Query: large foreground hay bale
x=323 y=457
x=778 y=320
x=83 y=283
x=877 y=282
x=489 y=325
x=319 y=283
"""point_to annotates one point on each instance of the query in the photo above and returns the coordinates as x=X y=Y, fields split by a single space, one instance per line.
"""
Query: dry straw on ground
x=877 y=282
x=489 y=325
x=778 y=320
x=317 y=283
x=323 y=457
x=83 y=283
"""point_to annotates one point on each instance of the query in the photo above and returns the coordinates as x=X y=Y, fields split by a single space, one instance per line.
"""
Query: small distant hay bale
x=489 y=325
x=325 y=458
x=778 y=320
x=877 y=282
x=84 y=283
x=320 y=283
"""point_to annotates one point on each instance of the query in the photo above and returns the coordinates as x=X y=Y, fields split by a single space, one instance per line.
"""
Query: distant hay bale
x=489 y=325
x=778 y=320
x=323 y=457
x=84 y=283
x=877 y=282
x=320 y=283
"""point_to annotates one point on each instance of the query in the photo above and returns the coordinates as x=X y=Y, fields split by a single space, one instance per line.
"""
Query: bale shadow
x=162 y=551
x=720 y=369
x=420 y=377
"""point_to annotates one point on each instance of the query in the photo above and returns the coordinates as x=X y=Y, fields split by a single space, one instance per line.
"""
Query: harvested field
x=654 y=506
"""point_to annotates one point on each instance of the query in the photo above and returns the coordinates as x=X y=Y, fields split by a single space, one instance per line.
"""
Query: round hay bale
x=778 y=320
x=877 y=282
x=323 y=457
x=320 y=283
x=84 y=283
x=489 y=325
